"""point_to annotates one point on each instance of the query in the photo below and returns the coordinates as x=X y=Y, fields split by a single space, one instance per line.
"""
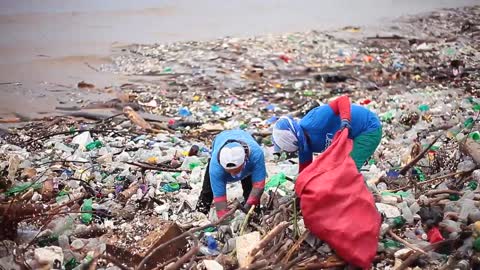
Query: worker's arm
x=219 y=189
x=305 y=158
x=259 y=175
x=341 y=106
x=256 y=193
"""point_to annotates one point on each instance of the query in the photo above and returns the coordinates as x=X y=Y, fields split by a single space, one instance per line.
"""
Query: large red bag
x=337 y=206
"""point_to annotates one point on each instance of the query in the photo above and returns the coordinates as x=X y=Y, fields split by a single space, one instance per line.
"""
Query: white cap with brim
x=232 y=156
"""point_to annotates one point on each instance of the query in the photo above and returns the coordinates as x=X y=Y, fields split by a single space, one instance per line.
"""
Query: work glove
x=246 y=207
x=346 y=124
x=221 y=213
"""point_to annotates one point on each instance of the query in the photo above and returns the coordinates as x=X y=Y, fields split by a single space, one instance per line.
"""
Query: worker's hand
x=346 y=124
x=246 y=207
x=221 y=213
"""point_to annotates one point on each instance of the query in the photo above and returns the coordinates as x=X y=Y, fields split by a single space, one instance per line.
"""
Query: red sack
x=337 y=206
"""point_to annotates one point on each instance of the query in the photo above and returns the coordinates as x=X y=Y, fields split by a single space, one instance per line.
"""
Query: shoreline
x=32 y=97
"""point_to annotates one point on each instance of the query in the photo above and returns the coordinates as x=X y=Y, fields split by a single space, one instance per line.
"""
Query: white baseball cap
x=232 y=156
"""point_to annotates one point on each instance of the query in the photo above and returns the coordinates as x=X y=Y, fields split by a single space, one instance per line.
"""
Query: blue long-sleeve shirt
x=255 y=165
x=321 y=124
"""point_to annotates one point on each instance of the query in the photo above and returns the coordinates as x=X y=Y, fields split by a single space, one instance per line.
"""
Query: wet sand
x=49 y=43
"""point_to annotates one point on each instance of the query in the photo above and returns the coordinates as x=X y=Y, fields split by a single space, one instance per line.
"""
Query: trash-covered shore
x=118 y=190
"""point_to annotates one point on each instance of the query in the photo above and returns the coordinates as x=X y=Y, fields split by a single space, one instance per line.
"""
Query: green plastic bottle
x=468 y=123
x=71 y=264
x=476 y=244
x=423 y=107
x=475 y=136
x=86 y=207
x=193 y=165
x=93 y=145
x=308 y=93
x=472 y=185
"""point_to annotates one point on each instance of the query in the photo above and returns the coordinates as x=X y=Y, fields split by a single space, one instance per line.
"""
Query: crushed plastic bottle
x=171 y=187
x=22 y=187
x=184 y=112
x=93 y=145
x=215 y=108
x=423 y=107
x=87 y=206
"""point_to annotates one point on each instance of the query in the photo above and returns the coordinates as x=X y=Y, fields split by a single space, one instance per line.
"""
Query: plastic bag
x=337 y=206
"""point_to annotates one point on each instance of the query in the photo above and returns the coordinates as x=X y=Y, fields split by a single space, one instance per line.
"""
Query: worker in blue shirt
x=236 y=156
x=315 y=132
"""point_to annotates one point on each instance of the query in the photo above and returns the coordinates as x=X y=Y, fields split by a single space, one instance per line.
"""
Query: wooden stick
x=267 y=239
x=275 y=248
x=428 y=181
x=295 y=247
x=407 y=244
x=257 y=265
x=246 y=219
x=153 y=250
x=283 y=250
x=414 y=256
x=323 y=265
x=449 y=191
x=185 y=258
x=440 y=178
x=412 y=163
x=293 y=262
x=154 y=168
x=125 y=195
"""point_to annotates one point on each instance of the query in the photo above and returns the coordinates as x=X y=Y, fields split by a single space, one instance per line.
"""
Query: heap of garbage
x=119 y=191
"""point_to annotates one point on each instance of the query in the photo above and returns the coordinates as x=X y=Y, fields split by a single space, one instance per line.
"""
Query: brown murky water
x=48 y=46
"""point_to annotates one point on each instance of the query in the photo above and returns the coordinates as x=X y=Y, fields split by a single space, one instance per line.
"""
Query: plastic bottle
x=391 y=246
x=84 y=263
x=414 y=208
x=476 y=244
x=406 y=212
x=382 y=187
x=86 y=206
x=467 y=207
x=423 y=107
x=476 y=175
x=71 y=264
x=462 y=265
x=212 y=247
x=450 y=225
x=93 y=145
x=184 y=112
x=26 y=235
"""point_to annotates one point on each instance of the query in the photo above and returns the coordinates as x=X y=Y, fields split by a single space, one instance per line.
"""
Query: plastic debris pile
x=120 y=191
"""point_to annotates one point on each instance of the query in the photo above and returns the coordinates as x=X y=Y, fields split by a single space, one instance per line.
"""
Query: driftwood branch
x=412 y=163
x=152 y=251
x=267 y=239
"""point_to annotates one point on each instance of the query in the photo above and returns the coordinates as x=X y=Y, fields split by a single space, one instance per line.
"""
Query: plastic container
x=87 y=206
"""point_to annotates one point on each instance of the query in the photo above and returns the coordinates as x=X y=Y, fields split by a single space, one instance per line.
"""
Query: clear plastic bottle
x=462 y=265
x=467 y=206
x=406 y=212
